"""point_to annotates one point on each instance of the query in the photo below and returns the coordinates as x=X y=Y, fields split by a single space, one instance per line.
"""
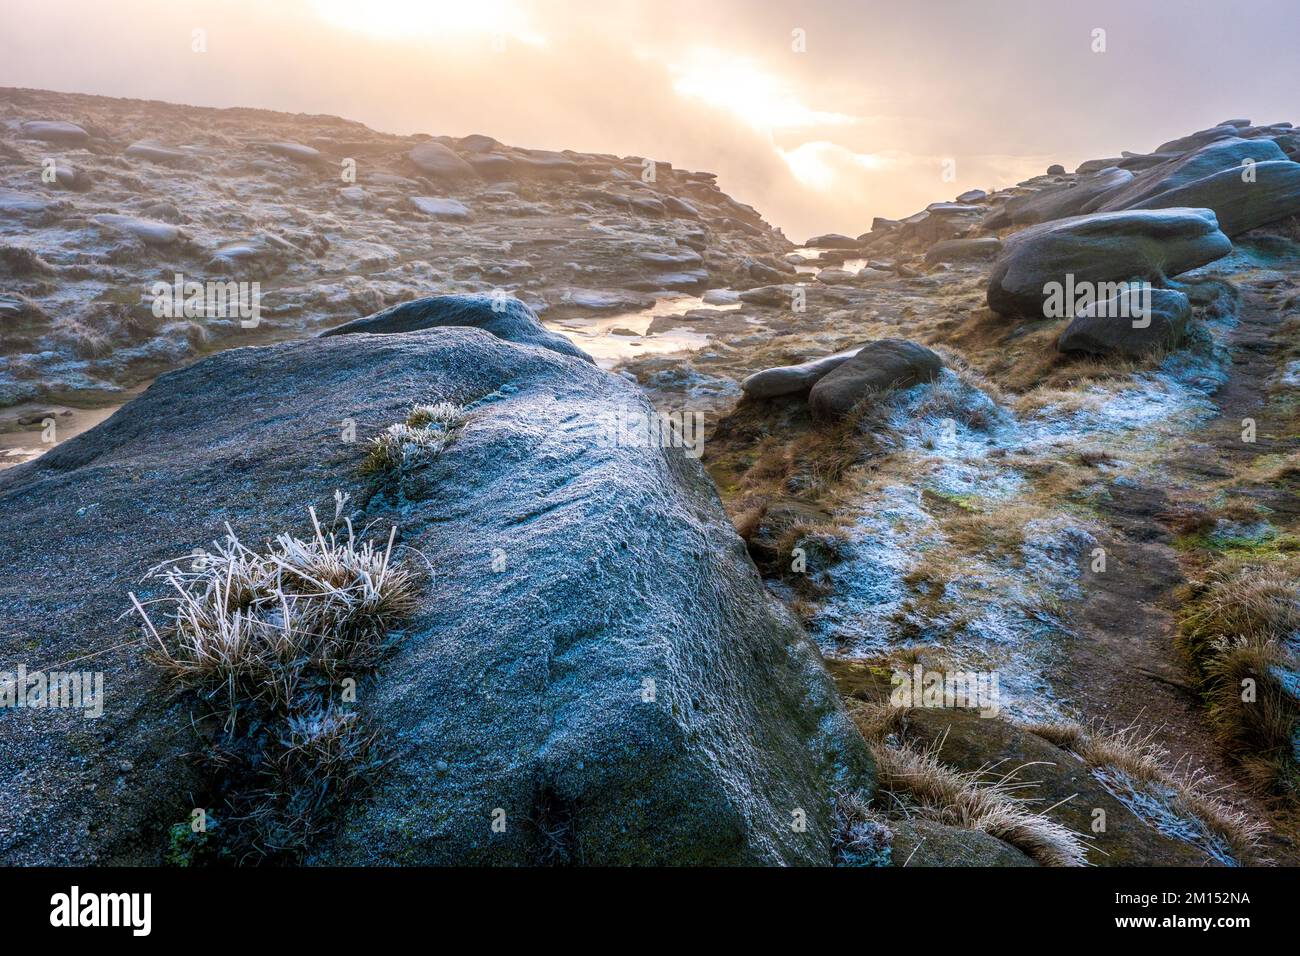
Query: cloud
x=819 y=141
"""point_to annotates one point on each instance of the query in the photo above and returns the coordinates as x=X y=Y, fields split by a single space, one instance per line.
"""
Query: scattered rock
x=156 y=153
x=1056 y=169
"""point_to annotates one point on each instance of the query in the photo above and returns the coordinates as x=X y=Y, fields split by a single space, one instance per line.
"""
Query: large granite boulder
x=878 y=367
x=1227 y=154
x=593 y=662
x=1135 y=323
x=1101 y=248
x=503 y=316
x=1243 y=198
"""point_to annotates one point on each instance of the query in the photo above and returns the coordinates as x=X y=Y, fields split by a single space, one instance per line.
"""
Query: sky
x=820 y=114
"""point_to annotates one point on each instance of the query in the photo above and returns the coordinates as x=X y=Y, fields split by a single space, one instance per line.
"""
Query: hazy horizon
x=863 y=122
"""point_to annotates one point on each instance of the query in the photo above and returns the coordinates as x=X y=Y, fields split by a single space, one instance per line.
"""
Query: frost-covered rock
x=593 y=660
x=503 y=316
x=1134 y=323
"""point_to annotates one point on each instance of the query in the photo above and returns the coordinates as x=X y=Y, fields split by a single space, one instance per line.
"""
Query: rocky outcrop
x=1101 y=248
x=593 y=662
x=1059 y=202
x=1243 y=198
x=1186 y=168
x=877 y=367
x=1133 y=324
x=503 y=316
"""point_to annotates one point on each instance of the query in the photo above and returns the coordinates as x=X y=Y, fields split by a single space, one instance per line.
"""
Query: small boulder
x=439 y=162
x=1132 y=324
x=505 y=317
x=1056 y=169
x=440 y=208
x=792 y=379
x=832 y=240
x=877 y=367
x=295 y=152
x=55 y=131
x=149 y=231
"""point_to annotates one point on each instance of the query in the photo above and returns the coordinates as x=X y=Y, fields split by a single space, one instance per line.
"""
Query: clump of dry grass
x=427 y=432
x=263 y=639
x=246 y=628
x=917 y=784
x=1135 y=761
x=1237 y=633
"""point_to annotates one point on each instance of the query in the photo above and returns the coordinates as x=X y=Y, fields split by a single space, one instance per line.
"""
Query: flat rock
x=440 y=208
x=923 y=843
x=296 y=152
x=1131 y=324
x=149 y=231
x=1101 y=247
x=13 y=202
x=156 y=153
x=878 y=367
x=504 y=316
x=54 y=131
x=832 y=240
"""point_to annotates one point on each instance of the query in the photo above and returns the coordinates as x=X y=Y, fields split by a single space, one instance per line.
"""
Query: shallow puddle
x=611 y=339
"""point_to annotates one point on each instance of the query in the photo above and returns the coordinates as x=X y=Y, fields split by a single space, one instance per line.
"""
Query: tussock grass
x=246 y=628
x=1128 y=759
x=1239 y=632
x=917 y=783
x=263 y=639
x=427 y=432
